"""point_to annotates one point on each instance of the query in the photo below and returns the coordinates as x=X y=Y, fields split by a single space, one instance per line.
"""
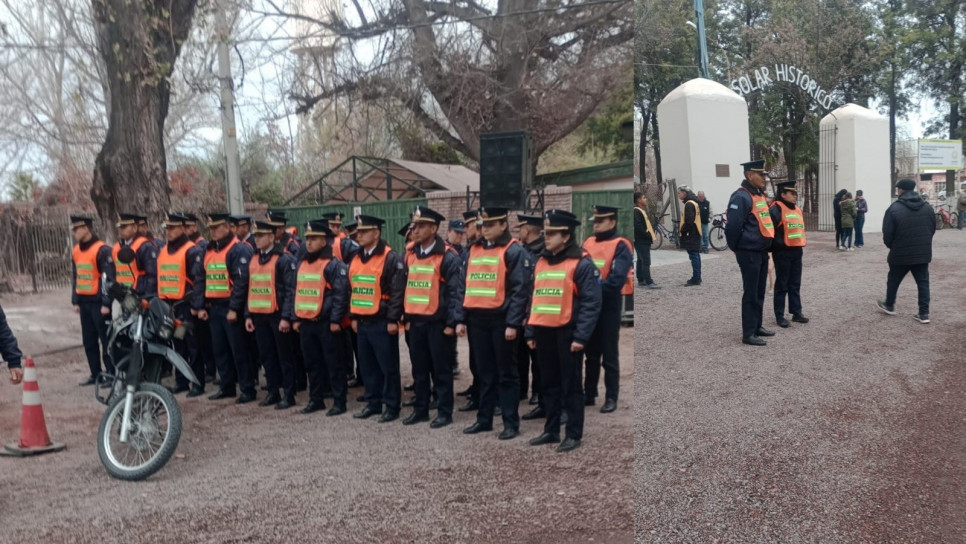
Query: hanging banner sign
x=940 y=154
x=782 y=73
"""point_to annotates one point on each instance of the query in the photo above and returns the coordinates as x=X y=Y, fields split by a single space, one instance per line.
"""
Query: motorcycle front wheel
x=155 y=430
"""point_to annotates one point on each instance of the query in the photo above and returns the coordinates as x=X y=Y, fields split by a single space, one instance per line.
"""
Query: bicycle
x=946 y=217
x=717 y=235
x=661 y=232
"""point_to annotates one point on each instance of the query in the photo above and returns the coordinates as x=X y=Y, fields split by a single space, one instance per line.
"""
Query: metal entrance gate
x=35 y=251
x=827 y=168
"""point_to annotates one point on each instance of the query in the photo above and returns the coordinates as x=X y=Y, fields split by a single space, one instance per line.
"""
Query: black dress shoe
x=609 y=406
x=469 y=406
x=336 y=410
x=536 y=413
x=477 y=428
x=410 y=387
x=180 y=389
x=568 y=445
x=285 y=403
x=590 y=401
x=799 y=318
x=313 y=406
x=390 y=415
x=245 y=398
x=544 y=438
x=196 y=391
x=367 y=412
x=88 y=381
x=416 y=417
x=465 y=392
x=272 y=398
x=440 y=421
x=762 y=331
x=222 y=394
x=783 y=323
x=508 y=433
x=692 y=282
x=534 y=400
x=753 y=341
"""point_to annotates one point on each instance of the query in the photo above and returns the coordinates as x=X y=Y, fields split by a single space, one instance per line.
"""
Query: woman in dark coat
x=837 y=215
x=690 y=232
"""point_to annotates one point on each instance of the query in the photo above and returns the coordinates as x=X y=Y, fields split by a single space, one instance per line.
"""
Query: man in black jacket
x=643 y=236
x=9 y=351
x=690 y=232
x=907 y=230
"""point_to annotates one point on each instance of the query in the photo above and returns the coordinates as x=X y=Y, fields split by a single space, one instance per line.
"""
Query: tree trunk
x=655 y=137
x=139 y=43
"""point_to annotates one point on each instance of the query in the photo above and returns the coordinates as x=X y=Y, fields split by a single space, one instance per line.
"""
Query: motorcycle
x=141 y=427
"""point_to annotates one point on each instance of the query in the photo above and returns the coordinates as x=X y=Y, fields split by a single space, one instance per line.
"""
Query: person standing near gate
x=749 y=233
x=564 y=309
x=787 y=250
x=227 y=262
x=643 y=236
x=690 y=232
x=705 y=206
x=181 y=283
x=141 y=274
x=377 y=280
x=321 y=297
x=91 y=258
x=432 y=307
x=498 y=280
x=611 y=253
x=271 y=289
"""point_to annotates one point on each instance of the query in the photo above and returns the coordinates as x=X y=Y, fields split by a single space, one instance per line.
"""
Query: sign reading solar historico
x=782 y=73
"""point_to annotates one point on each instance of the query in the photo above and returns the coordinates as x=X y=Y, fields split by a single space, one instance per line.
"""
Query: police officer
x=749 y=232
x=271 y=310
x=202 y=330
x=335 y=224
x=191 y=229
x=142 y=273
x=289 y=243
x=143 y=230
x=787 y=252
x=91 y=258
x=454 y=239
x=432 y=307
x=9 y=351
x=531 y=235
x=611 y=254
x=563 y=312
x=350 y=230
x=343 y=249
x=227 y=262
x=355 y=379
x=377 y=278
x=498 y=275
x=242 y=228
x=321 y=298
x=472 y=234
x=181 y=283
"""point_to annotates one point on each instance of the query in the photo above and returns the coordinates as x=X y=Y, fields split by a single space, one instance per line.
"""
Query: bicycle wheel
x=717 y=238
x=953 y=220
x=658 y=239
x=940 y=223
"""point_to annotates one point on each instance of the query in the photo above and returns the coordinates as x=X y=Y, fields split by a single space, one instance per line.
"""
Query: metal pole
x=702 y=40
x=229 y=137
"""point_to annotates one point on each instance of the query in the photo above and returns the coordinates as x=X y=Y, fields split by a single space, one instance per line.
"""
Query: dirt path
x=250 y=474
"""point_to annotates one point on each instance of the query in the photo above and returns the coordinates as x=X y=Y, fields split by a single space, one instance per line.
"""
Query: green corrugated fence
x=582 y=204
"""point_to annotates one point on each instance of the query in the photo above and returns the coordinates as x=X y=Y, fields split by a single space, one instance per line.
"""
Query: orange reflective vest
x=793 y=223
x=554 y=289
x=310 y=287
x=422 y=286
x=218 y=281
x=366 y=285
x=261 y=286
x=173 y=272
x=486 y=277
x=603 y=255
x=759 y=209
x=697 y=216
x=128 y=274
x=337 y=249
x=88 y=278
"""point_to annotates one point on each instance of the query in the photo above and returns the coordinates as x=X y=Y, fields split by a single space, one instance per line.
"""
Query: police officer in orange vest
x=227 y=262
x=143 y=230
x=142 y=273
x=564 y=309
x=472 y=234
x=344 y=249
x=787 y=253
x=350 y=230
x=335 y=224
x=242 y=228
x=270 y=313
x=321 y=298
x=202 y=331
x=498 y=276
x=432 y=307
x=531 y=236
x=612 y=255
x=91 y=258
x=749 y=233
x=181 y=283
x=377 y=280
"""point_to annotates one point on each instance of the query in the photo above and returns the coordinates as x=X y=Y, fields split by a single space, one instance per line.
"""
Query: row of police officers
x=260 y=296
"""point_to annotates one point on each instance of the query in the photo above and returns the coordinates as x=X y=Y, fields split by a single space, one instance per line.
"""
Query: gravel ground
x=250 y=474
x=847 y=429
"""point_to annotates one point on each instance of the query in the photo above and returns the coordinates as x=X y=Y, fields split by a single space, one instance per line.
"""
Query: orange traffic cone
x=33 y=429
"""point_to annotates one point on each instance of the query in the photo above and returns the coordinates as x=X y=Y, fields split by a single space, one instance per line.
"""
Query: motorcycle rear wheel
x=153 y=437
